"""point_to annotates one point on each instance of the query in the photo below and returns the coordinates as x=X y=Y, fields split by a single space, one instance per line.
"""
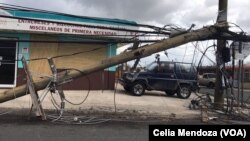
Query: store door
x=7 y=63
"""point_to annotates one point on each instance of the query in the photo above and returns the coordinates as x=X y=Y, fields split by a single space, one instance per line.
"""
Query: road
x=51 y=132
x=109 y=131
x=18 y=128
x=246 y=94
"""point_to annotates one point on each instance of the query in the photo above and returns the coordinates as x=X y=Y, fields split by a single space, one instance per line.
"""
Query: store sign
x=61 y=28
x=25 y=50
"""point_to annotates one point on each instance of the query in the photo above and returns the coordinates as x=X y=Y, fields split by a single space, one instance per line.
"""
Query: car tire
x=170 y=93
x=184 y=91
x=138 y=89
x=127 y=89
x=210 y=85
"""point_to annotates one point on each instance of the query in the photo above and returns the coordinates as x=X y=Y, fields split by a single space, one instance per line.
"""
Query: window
x=211 y=76
x=204 y=76
x=168 y=67
x=185 y=68
x=8 y=64
x=153 y=67
x=161 y=67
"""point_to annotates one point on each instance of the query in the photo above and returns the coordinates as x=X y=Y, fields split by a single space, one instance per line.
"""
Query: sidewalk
x=153 y=103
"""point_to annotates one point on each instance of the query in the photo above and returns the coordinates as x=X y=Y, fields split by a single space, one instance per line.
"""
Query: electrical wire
x=44 y=94
x=184 y=54
x=57 y=106
x=195 y=48
x=81 y=52
x=78 y=120
x=54 y=103
x=89 y=88
x=180 y=55
x=59 y=56
x=86 y=25
x=86 y=120
x=95 y=40
x=237 y=26
x=207 y=57
x=16 y=7
x=203 y=54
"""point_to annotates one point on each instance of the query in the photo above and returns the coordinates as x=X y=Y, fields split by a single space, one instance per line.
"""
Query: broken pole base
x=33 y=93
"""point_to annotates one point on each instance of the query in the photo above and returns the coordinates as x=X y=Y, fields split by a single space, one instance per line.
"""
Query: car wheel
x=184 y=92
x=170 y=93
x=126 y=88
x=210 y=85
x=138 y=88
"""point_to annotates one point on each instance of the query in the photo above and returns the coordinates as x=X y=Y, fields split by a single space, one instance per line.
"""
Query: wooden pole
x=200 y=34
x=218 y=95
x=33 y=93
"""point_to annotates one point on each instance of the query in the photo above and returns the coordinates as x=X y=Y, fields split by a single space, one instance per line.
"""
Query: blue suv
x=170 y=77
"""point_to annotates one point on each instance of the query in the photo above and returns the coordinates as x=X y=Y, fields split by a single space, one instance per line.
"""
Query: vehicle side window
x=161 y=67
x=168 y=68
x=204 y=76
x=211 y=76
x=153 y=67
x=185 y=68
x=156 y=69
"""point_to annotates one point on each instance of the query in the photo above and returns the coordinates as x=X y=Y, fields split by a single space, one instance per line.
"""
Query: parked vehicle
x=207 y=79
x=171 y=77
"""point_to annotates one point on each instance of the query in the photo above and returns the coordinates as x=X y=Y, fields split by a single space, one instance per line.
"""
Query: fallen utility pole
x=196 y=35
x=218 y=95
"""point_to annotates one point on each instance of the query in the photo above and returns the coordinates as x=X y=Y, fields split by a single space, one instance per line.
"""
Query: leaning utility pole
x=196 y=35
x=222 y=18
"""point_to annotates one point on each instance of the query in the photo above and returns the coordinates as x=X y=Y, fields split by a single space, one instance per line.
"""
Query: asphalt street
x=246 y=93
x=18 y=128
x=57 y=132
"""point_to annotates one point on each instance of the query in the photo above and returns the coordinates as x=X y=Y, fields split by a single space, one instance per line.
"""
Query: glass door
x=8 y=63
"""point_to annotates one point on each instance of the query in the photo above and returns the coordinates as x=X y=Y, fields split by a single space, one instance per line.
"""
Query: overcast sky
x=156 y=12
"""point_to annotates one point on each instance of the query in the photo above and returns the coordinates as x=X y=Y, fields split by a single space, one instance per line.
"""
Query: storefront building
x=34 y=34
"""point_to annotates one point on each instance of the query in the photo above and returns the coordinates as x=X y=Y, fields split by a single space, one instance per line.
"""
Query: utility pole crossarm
x=196 y=35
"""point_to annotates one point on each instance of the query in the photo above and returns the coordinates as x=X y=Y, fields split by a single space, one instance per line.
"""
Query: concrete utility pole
x=200 y=34
x=222 y=18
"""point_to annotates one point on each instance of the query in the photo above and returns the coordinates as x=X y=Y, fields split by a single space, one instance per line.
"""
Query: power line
x=89 y=87
x=59 y=56
x=85 y=25
x=124 y=22
x=78 y=42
